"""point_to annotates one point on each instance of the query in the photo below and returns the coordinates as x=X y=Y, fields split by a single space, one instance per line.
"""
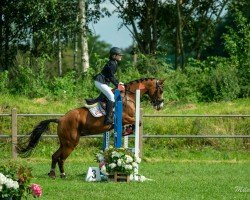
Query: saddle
x=96 y=106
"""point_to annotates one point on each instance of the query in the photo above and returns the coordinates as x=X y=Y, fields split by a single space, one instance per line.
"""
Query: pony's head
x=151 y=86
x=155 y=93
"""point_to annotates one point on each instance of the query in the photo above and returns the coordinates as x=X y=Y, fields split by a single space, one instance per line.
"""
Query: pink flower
x=36 y=190
x=101 y=164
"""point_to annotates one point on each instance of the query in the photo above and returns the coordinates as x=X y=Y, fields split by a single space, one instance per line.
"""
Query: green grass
x=171 y=180
x=180 y=168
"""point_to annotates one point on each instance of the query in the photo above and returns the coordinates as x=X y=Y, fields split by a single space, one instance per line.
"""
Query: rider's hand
x=121 y=87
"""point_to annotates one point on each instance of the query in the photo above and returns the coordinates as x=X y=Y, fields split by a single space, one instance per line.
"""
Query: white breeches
x=106 y=90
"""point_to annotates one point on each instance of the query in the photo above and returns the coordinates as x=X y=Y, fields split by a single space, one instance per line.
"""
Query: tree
x=237 y=42
x=83 y=35
x=11 y=32
x=193 y=22
x=179 y=37
x=140 y=18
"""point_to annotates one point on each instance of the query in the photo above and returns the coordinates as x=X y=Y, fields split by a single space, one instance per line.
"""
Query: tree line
x=168 y=35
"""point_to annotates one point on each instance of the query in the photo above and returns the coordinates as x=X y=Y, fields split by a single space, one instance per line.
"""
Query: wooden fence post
x=141 y=134
x=14 y=131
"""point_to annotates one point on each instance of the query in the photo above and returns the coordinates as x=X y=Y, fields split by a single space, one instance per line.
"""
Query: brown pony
x=79 y=122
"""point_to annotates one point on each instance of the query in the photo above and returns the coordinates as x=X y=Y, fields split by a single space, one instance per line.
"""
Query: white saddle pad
x=96 y=110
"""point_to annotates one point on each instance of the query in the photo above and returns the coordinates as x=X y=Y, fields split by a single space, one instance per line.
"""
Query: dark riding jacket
x=107 y=74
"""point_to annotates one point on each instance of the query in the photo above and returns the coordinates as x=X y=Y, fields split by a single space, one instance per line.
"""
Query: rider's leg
x=109 y=113
x=106 y=90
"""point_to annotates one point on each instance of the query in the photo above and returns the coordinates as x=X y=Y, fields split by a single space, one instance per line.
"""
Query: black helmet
x=115 y=51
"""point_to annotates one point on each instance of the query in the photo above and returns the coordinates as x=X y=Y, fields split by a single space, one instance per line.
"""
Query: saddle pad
x=96 y=110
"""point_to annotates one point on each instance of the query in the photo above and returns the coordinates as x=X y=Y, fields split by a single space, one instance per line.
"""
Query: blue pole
x=118 y=120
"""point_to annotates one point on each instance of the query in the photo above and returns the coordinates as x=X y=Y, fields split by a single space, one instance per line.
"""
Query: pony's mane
x=139 y=80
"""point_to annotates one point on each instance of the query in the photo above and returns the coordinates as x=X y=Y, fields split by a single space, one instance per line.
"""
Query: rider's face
x=118 y=57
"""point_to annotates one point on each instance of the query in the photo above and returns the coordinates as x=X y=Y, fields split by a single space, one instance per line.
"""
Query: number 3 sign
x=93 y=174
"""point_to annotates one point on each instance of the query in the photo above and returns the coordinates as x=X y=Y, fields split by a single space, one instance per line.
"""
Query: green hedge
x=215 y=79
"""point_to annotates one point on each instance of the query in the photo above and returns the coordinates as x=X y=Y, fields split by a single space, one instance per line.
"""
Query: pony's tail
x=34 y=138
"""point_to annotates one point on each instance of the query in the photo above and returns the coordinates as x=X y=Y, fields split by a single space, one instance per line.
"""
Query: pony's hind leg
x=66 y=151
x=69 y=139
x=55 y=159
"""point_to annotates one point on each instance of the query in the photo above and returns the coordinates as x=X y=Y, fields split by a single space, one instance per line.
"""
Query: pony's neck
x=142 y=84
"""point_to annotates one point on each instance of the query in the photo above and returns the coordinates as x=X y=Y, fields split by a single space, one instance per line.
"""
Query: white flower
x=8 y=182
x=112 y=165
x=129 y=159
x=116 y=154
x=119 y=162
x=137 y=159
x=129 y=167
x=139 y=178
x=135 y=165
x=103 y=169
x=142 y=178
x=136 y=171
x=11 y=184
x=15 y=185
x=3 y=179
x=100 y=157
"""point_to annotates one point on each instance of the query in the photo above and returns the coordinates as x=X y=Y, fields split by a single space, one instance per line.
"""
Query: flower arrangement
x=15 y=182
x=118 y=160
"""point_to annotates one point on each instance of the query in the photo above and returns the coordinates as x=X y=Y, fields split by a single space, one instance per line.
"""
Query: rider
x=107 y=76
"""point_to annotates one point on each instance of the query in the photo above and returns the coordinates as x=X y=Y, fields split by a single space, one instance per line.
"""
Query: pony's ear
x=162 y=81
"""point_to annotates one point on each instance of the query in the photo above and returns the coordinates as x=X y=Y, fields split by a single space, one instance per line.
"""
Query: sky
x=107 y=29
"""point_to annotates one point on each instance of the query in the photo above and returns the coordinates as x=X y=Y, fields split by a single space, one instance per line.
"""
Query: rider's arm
x=112 y=71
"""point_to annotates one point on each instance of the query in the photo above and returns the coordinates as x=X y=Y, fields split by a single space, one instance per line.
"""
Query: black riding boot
x=109 y=113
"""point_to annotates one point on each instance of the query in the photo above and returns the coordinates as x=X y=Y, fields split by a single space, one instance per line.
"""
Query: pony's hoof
x=52 y=174
x=63 y=176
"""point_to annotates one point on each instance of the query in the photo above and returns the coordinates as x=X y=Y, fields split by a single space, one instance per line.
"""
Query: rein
x=126 y=99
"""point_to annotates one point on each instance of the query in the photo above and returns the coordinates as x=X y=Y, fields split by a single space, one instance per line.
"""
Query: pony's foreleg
x=128 y=120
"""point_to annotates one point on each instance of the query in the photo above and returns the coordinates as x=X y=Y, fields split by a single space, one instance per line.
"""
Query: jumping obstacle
x=94 y=173
x=118 y=126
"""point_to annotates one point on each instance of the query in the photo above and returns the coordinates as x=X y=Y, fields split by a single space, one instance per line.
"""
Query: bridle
x=154 y=99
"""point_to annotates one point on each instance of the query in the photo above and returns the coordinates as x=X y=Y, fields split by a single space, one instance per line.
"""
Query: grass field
x=187 y=173
x=179 y=179
x=180 y=168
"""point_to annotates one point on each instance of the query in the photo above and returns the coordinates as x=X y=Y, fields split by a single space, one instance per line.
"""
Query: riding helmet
x=115 y=51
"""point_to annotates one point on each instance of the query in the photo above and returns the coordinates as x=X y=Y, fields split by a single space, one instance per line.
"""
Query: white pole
x=125 y=142
x=137 y=123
